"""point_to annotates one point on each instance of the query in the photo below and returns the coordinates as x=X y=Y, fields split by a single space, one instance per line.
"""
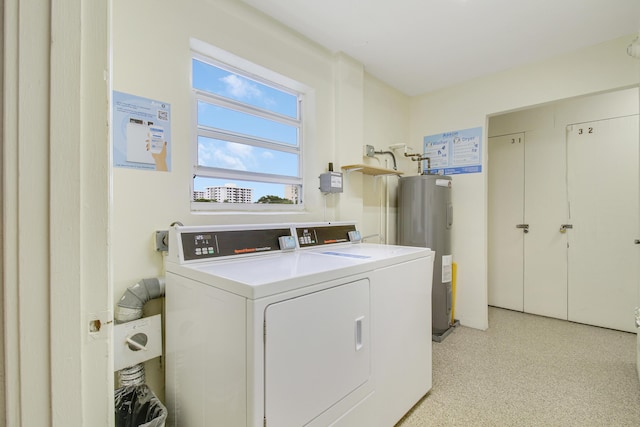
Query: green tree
x=274 y=199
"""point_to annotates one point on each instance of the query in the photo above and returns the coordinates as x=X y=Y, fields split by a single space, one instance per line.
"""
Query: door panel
x=545 y=207
x=603 y=203
x=506 y=210
x=317 y=351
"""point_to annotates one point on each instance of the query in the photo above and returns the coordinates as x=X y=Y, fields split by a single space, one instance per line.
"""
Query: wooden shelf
x=371 y=170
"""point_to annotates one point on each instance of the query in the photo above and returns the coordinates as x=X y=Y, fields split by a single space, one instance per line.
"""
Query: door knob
x=637 y=241
x=525 y=227
x=565 y=227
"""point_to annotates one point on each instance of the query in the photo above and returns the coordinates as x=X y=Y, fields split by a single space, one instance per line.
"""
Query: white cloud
x=240 y=150
x=230 y=156
x=223 y=160
x=204 y=155
x=241 y=88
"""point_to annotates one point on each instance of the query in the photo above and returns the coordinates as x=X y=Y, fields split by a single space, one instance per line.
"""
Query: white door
x=603 y=193
x=506 y=212
x=527 y=265
x=317 y=351
x=545 y=209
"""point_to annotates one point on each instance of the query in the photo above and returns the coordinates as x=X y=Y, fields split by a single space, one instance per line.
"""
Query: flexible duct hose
x=130 y=308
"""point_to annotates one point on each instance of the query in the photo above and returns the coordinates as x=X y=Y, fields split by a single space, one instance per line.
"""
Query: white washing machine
x=322 y=332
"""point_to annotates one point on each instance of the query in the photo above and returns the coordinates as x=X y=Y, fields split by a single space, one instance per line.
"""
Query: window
x=248 y=136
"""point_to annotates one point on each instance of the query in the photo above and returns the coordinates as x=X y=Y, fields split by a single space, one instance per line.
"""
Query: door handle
x=565 y=227
x=637 y=241
x=525 y=227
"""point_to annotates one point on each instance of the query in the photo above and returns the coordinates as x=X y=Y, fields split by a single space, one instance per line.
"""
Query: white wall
x=599 y=68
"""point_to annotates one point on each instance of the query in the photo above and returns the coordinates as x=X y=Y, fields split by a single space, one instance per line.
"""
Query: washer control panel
x=314 y=236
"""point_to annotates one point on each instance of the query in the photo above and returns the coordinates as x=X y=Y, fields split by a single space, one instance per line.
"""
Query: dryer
x=265 y=326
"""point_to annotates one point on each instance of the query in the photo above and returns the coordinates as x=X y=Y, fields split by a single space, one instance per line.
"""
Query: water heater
x=425 y=218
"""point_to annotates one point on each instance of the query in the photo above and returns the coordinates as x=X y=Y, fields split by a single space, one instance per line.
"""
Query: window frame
x=216 y=57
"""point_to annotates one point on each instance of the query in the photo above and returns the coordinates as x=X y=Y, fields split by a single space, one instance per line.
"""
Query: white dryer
x=320 y=333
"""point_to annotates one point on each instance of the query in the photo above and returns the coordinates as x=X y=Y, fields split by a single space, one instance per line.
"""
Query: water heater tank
x=425 y=218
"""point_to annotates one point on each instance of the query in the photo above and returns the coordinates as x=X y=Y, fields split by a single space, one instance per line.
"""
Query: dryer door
x=317 y=351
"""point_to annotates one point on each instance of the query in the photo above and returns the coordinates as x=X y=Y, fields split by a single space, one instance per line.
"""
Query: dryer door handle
x=359 y=342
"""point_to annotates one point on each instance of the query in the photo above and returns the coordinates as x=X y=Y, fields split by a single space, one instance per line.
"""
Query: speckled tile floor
x=528 y=370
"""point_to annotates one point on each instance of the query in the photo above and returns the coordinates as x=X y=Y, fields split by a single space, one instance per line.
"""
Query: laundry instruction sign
x=141 y=132
x=455 y=152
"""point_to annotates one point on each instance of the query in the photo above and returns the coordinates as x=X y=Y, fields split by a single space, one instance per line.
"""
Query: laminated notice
x=447 y=262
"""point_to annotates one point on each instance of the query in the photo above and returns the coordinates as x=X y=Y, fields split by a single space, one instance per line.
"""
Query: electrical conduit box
x=331 y=182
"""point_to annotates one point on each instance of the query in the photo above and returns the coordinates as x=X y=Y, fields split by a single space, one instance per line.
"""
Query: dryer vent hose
x=130 y=308
x=135 y=297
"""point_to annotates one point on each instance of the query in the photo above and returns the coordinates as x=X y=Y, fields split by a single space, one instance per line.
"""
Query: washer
x=307 y=335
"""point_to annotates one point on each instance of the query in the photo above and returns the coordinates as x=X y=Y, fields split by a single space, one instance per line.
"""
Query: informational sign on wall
x=141 y=133
x=455 y=152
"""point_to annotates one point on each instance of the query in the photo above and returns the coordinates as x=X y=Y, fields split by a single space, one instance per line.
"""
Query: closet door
x=545 y=208
x=527 y=204
x=506 y=212
x=603 y=195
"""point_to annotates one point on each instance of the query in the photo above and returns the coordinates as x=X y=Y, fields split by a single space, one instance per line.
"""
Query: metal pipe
x=416 y=157
x=395 y=166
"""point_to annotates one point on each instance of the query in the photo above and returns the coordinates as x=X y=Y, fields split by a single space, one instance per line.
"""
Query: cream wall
x=151 y=58
x=553 y=118
x=352 y=108
x=55 y=275
x=599 y=68
x=97 y=224
x=348 y=118
x=386 y=116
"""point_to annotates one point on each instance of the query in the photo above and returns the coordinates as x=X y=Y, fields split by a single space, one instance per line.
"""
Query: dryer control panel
x=212 y=244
